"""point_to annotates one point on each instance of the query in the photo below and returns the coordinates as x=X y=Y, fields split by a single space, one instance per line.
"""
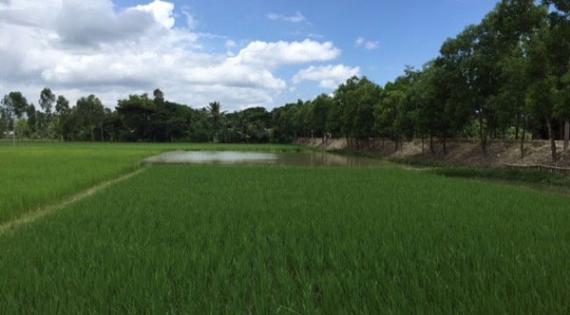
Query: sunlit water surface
x=252 y=158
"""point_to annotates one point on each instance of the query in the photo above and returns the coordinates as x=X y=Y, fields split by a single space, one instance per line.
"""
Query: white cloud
x=85 y=47
x=329 y=76
x=366 y=44
x=190 y=20
x=298 y=17
x=92 y=23
x=230 y=44
x=282 y=53
x=161 y=11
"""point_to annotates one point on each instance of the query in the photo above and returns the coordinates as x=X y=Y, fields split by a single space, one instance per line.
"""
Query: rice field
x=181 y=239
x=33 y=175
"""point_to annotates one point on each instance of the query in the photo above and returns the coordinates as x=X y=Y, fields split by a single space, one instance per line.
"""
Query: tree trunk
x=523 y=136
x=444 y=144
x=423 y=144
x=517 y=127
x=566 y=134
x=552 y=140
x=483 y=136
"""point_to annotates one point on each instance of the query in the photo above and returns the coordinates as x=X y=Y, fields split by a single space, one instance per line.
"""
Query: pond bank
x=463 y=160
x=466 y=152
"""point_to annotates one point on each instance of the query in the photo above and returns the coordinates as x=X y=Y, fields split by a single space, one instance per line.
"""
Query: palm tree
x=216 y=116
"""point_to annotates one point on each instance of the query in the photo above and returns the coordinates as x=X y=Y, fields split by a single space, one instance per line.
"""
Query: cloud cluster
x=362 y=42
x=298 y=17
x=84 y=47
x=329 y=76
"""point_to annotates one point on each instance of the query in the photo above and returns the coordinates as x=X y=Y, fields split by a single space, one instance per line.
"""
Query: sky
x=242 y=53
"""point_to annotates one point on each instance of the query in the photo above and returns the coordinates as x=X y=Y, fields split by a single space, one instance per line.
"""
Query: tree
x=61 y=105
x=216 y=116
x=17 y=103
x=387 y=112
x=431 y=94
x=32 y=115
x=563 y=107
x=47 y=98
x=136 y=114
x=90 y=115
x=62 y=112
x=540 y=98
x=283 y=123
x=158 y=97
x=46 y=101
x=558 y=46
x=7 y=116
x=356 y=99
x=14 y=106
x=320 y=108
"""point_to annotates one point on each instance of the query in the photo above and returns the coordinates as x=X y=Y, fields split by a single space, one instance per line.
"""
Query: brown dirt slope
x=464 y=152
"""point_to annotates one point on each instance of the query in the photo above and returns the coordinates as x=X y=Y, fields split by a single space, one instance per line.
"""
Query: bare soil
x=462 y=152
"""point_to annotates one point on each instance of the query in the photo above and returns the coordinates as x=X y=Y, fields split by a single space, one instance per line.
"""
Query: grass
x=509 y=174
x=33 y=174
x=290 y=240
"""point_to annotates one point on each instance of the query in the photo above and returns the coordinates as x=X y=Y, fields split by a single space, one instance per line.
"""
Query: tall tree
x=357 y=98
x=320 y=108
x=46 y=101
x=90 y=114
x=136 y=114
x=216 y=116
x=62 y=114
x=14 y=107
x=158 y=97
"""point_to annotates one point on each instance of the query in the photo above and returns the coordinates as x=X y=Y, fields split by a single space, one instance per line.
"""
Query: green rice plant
x=277 y=239
x=34 y=174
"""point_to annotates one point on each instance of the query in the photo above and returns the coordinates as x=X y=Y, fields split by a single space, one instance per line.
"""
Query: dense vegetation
x=507 y=77
x=258 y=240
x=35 y=174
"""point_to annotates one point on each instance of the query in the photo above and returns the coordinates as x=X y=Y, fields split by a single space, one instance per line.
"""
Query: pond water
x=264 y=158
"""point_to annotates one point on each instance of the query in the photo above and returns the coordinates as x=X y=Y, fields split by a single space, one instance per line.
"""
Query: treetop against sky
x=242 y=53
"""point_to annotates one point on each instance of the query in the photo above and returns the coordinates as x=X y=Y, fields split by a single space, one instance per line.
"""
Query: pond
x=263 y=158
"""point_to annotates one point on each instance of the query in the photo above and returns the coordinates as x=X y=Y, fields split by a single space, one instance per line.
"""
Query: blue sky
x=408 y=32
x=372 y=38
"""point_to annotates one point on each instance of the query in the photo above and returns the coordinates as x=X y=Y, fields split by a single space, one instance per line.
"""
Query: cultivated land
x=284 y=239
x=33 y=174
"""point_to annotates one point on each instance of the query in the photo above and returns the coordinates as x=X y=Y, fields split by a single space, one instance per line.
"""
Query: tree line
x=507 y=77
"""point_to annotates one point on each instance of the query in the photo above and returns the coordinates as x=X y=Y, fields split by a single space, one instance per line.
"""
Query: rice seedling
x=281 y=239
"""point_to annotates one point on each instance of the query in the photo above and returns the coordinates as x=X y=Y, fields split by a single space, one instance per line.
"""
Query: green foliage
x=506 y=174
x=357 y=98
x=46 y=101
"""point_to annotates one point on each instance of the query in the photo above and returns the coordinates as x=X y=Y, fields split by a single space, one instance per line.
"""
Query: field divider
x=42 y=212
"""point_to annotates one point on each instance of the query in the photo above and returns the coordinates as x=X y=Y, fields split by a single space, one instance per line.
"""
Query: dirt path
x=30 y=217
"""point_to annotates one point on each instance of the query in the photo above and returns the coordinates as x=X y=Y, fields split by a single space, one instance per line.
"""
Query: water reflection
x=253 y=158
